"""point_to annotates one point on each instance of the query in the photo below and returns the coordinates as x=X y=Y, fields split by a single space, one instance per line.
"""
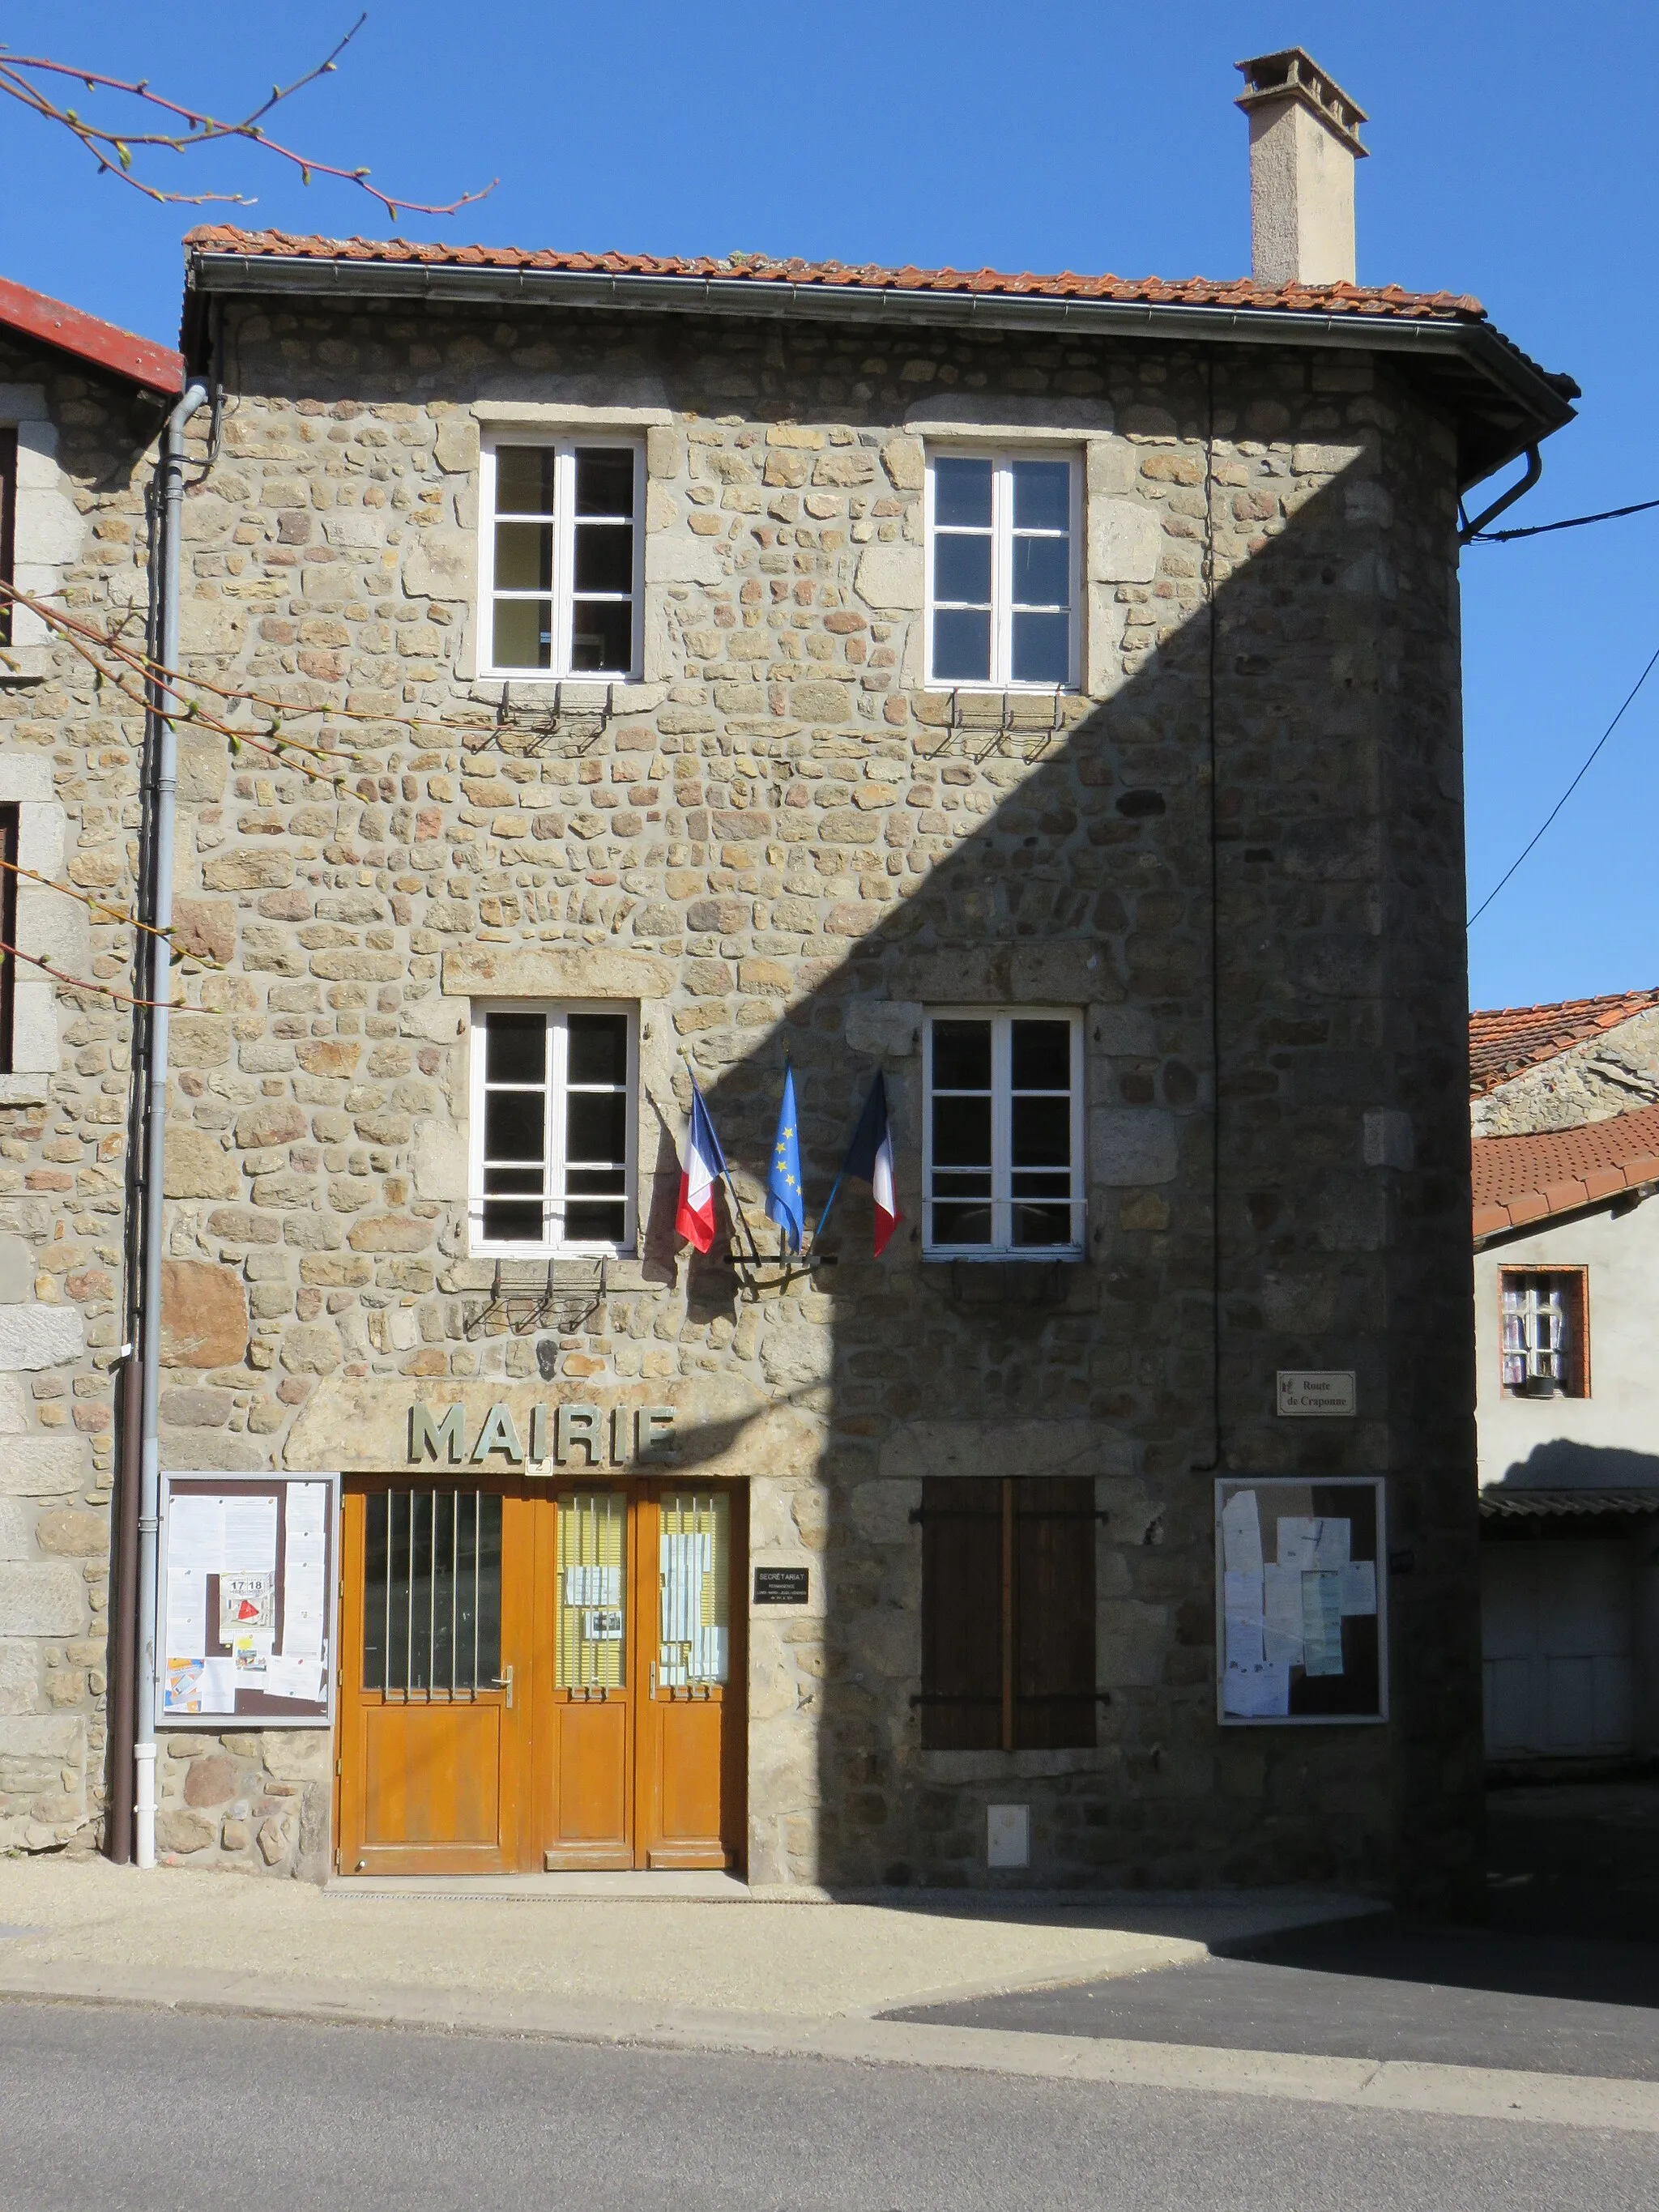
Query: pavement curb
x=1448 y=2091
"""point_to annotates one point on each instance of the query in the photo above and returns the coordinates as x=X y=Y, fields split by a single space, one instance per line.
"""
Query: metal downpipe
x=163 y=709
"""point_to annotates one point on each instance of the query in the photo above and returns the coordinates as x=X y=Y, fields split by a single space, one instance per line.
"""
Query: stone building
x=1041 y=692
x=80 y=403
x=1565 y=1106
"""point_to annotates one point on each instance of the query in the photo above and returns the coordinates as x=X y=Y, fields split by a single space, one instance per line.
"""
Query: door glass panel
x=591 y=1599
x=432 y=1592
x=695 y=1568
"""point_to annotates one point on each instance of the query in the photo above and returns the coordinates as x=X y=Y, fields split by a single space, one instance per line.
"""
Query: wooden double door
x=538 y=1676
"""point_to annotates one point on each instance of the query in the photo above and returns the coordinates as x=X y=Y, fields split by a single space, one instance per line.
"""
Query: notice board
x=1301 y=1601
x=245 y=1623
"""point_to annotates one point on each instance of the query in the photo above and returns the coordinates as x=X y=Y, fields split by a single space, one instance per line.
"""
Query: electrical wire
x=1568 y=792
x=1573 y=522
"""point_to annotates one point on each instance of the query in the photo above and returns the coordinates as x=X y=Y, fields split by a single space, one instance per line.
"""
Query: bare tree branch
x=112 y=149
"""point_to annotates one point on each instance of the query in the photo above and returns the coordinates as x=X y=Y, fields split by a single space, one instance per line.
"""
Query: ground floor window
x=1007 y=1613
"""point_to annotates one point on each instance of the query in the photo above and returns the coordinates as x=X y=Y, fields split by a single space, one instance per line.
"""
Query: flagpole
x=736 y=1207
x=827 y=1203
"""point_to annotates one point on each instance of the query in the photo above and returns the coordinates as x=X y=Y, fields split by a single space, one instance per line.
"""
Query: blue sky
x=1084 y=133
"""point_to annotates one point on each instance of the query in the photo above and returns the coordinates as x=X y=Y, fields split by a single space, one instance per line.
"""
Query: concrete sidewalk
x=780 y=1974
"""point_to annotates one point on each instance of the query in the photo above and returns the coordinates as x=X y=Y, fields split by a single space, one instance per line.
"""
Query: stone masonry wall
x=69 y=758
x=780 y=837
x=1616 y=1072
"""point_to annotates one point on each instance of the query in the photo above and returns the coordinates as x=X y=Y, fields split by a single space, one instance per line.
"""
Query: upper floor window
x=552 y=1129
x=563 y=558
x=1002 y=1147
x=1003 y=534
x=1546 y=1322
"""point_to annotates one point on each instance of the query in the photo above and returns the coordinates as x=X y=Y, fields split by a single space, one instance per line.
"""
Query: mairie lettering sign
x=557 y=1434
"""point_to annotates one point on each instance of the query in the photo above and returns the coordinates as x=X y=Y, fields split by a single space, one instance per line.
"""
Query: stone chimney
x=1304 y=141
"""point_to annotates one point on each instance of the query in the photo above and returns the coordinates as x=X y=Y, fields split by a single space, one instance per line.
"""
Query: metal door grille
x=694 y=1567
x=432 y=1593
x=591 y=1641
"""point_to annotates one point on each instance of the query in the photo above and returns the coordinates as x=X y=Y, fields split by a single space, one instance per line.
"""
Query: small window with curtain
x=1003 y=592
x=1545 y=1332
x=1008 y=1613
x=553 y=1130
x=561 y=555
x=1002 y=1143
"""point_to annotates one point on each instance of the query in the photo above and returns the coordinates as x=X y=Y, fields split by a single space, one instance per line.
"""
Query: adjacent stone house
x=80 y=403
x=1565 y=1106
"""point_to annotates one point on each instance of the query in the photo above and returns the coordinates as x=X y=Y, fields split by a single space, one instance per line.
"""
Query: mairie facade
x=1048 y=704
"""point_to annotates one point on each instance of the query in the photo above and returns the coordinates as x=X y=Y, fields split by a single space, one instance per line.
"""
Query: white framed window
x=1002 y=1141
x=552 y=1129
x=1545 y=1313
x=562 y=557
x=1005 y=533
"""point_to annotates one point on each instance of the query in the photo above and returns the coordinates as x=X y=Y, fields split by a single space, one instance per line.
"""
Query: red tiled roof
x=1356 y=300
x=138 y=361
x=1508 y=1040
x=1516 y=1179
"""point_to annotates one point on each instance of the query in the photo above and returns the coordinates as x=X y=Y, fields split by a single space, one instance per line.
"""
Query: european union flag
x=784 y=1202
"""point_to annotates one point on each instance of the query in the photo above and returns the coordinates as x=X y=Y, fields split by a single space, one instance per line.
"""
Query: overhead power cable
x=1568 y=792
x=1573 y=522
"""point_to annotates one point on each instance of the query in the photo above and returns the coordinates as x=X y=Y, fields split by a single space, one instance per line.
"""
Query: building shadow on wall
x=1085 y=880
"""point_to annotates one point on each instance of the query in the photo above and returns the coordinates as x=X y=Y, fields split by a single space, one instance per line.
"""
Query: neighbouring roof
x=1519 y=1180
x=1506 y=1041
x=1503 y=400
x=103 y=345
x=1498 y=1504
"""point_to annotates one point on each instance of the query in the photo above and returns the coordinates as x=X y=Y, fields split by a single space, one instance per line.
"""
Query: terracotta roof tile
x=1508 y=1040
x=138 y=360
x=1356 y=300
x=1516 y=1179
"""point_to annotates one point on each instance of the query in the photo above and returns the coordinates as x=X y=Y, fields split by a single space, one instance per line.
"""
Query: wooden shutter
x=962 y=1606
x=1054 y=1588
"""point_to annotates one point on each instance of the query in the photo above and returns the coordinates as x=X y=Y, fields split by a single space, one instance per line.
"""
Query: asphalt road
x=130 y=2110
x=1543 y=2005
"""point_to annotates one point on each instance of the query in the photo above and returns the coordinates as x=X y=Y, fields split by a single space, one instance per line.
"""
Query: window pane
x=595 y=1125
x=509 y=1221
x=962 y=647
x=523 y=634
x=595 y=1221
x=599 y=1049
x=1042 y=494
x=605 y=481
x=961 y=1224
x=1042 y=572
x=1041 y=1056
x=604 y=557
x=961 y=1133
x=962 y=1056
x=962 y=492
x=515 y=1049
x=597 y=1182
x=523 y=556
x=962 y=569
x=1043 y=648
x=512 y=1125
x=514 y=1183
x=524 y=479
x=1042 y=1132
x=602 y=635
x=1042 y=1224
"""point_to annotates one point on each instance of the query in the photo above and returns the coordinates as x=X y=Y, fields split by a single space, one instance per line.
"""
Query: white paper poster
x=1299 y=1540
x=1282 y=1614
x=305 y=1573
x=1256 y=1692
x=1359 y=1585
x=250 y=1540
x=1321 y=1624
x=1331 y=1539
x=1240 y=1533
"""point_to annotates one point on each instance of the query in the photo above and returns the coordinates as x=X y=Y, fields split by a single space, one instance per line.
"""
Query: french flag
x=870 y=1158
x=705 y=1163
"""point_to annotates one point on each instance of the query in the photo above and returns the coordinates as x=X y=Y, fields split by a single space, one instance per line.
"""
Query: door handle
x=505 y=1682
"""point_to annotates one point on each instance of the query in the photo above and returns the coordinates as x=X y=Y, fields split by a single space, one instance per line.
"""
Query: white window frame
x=551 y=1244
x=1543 y=1335
x=1002 y=459
x=1002 y=1246
x=564 y=540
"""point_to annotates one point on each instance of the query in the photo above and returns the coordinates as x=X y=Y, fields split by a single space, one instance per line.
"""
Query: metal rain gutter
x=1478 y=345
